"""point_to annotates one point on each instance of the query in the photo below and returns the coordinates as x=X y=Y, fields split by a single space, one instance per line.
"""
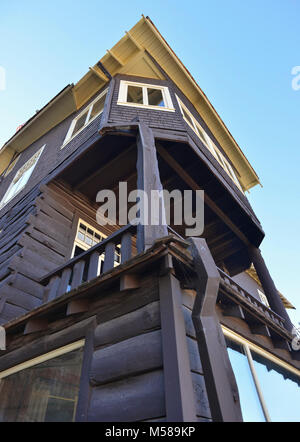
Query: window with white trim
x=263 y=297
x=269 y=388
x=207 y=141
x=43 y=389
x=86 y=237
x=145 y=95
x=21 y=178
x=85 y=117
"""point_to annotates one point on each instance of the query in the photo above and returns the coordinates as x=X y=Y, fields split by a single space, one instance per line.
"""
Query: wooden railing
x=243 y=295
x=88 y=265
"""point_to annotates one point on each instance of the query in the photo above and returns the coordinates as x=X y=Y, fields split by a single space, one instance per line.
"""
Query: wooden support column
x=219 y=378
x=179 y=394
x=268 y=285
x=148 y=179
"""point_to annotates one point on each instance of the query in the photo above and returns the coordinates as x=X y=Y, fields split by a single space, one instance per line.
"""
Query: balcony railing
x=87 y=266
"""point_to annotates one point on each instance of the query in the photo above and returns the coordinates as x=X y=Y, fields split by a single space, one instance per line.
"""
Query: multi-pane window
x=86 y=116
x=269 y=388
x=44 y=389
x=87 y=237
x=21 y=178
x=207 y=141
x=145 y=95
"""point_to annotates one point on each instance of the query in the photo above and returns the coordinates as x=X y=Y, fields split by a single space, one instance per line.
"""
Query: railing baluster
x=78 y=270
x=126 y=247
x=52 y=288
x=64 y=282
x=93 y=266
x=109 y=258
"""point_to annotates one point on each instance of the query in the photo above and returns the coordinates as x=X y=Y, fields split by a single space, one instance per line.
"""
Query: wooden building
x=136 y=322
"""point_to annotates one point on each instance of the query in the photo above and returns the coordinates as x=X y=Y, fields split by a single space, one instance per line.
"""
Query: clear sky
x=241 y=53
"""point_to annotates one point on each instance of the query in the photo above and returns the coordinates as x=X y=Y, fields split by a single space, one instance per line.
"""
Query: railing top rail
x=100 y=248
x=250 y=297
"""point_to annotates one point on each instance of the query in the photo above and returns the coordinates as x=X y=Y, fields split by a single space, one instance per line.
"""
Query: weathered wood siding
x=123 y=377
x=201 y=399
x=37 y=237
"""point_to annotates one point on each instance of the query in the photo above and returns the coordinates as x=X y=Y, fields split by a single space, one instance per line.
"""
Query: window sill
x=147 y=106
x=78 y=132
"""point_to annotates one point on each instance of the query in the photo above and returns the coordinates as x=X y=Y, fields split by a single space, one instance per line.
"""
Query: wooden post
x=219 y=378
x=179 y=394
x=148 y=179
x=269 y=286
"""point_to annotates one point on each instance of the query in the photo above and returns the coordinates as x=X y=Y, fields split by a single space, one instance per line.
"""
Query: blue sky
x=241 y=53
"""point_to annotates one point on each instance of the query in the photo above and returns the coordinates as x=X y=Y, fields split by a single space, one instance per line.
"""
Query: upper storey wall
x=54 y=155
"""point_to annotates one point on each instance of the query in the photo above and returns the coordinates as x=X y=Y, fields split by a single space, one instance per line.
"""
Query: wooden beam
x=77 y=306
x=99 y=74
x=235 y=311
x=115 y=162
x=138 y=46
x=129 y=281
x=179 y=394
x=35 y=325
x=115 y=57
x=194 y=186
x=148 y=179
x=220 y=381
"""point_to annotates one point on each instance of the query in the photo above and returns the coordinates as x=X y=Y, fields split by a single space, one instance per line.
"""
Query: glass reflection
x=46 y=392
x=250 y=404
x=280 y=390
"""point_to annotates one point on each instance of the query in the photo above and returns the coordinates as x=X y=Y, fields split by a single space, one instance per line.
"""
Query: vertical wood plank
x=109 y=257
x=148 y=179
x=179 y=393
x=93 y=266
x=126 y=247
x=64 y=282
x=52 y=288
x=78 y=270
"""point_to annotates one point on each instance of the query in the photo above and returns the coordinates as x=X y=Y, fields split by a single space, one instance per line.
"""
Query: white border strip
x=42 y=358
x=236 y=337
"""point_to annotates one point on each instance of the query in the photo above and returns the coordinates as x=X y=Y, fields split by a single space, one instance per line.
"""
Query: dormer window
x=145 y=95
x=21 y=178
x=207 y=141
x=86 y=117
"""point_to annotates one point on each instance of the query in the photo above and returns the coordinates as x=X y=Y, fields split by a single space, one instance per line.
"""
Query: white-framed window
x=263 y=298
x=86 y=116
x=145 y=95
x=21 y=178
x=86 y=237
x=43 y=389
x=269 y=388
x=207 y=141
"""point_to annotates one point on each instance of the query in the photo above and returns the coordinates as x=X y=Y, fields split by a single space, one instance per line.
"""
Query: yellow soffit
x=144 y=36
x=129 y=56
x=252 y=273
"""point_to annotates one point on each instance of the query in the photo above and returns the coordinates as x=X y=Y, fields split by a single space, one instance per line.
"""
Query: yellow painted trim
x=45 y=357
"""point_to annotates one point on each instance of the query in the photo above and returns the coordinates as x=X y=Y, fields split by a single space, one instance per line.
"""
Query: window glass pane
x=280 y=389
x=187 y=117
x=98 y=107
x=46 y=392
x=135 y=94
x=250 y=404
x=155 y=97
x=80 y=123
